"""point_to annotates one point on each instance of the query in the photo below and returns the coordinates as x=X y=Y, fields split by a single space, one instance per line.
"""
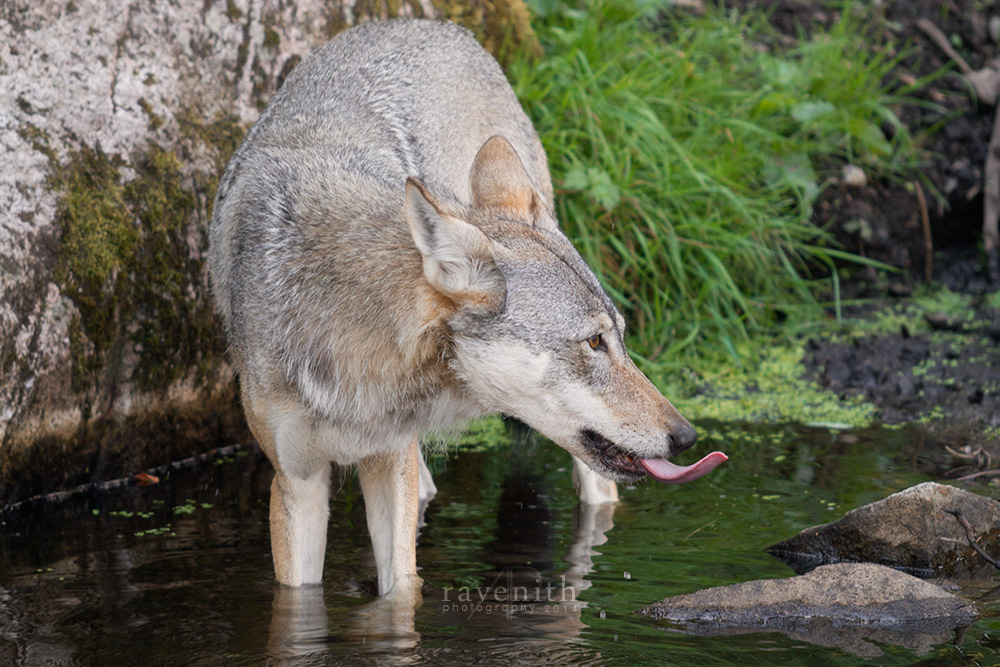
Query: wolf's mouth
x=613 y=456
x=623 y=464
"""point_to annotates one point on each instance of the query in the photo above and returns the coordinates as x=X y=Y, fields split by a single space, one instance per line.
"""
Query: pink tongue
x=668 y=473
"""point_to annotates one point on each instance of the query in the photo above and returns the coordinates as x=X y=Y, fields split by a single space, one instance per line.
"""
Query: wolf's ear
x=457 y=258
x=499 y=180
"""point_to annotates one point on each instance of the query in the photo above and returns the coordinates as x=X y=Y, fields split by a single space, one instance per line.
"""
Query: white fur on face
x=505 y=376
x=509 y=377
x=579 y=408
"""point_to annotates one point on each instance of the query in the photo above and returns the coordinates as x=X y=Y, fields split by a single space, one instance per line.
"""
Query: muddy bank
x=925 y=366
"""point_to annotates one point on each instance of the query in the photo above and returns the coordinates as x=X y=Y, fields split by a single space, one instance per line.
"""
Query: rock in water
x=835 y=605
x=911 y=531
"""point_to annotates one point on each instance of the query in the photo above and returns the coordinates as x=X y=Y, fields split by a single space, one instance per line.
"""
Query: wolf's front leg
x=427 y=487
x=300 y=507
x=593 y=489
x=390 y=484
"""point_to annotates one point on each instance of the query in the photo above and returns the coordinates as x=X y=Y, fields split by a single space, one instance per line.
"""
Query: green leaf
x=805 y=112
x=576 y=179
x=602 y=189
x=775 y=102
x=870 y=136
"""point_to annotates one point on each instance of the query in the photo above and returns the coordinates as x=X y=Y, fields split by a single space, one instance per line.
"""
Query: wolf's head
x=533 y=334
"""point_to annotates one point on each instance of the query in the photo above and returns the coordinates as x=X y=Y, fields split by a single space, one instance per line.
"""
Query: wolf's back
x=419 y=96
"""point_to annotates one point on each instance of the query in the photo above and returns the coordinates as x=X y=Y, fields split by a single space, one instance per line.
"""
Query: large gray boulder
x=843 y=605
x=912 y=531
x=116 y=120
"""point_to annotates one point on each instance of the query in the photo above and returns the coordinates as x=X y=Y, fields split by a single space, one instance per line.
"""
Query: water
x=180 y=572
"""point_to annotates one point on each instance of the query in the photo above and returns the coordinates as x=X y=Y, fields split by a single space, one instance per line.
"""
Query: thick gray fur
x=386 y=259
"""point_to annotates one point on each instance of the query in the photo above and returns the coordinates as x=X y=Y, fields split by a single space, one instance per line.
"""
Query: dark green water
x=180 y=573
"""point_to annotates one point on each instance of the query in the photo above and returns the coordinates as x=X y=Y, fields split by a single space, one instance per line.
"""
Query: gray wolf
x=385 y=257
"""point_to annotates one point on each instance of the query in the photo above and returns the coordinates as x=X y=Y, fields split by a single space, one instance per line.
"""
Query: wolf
x=385 y=257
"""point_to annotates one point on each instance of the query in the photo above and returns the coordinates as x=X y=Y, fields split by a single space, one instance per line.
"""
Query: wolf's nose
x=682 y=437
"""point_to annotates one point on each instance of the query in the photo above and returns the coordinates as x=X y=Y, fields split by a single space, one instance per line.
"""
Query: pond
x=180 y=572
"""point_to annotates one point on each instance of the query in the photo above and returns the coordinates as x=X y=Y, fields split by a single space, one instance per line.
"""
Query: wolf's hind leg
x=593 y=488
x=300 y=491
x=390 y=484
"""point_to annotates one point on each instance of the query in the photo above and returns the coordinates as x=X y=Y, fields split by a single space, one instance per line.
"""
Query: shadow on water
x=515 y=572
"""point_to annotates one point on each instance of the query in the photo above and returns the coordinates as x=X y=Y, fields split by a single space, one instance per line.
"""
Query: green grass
x=687 y=153
x=686 y=158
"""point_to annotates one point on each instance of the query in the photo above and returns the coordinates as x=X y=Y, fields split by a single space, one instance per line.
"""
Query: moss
x=232 y=11
x=261 y=85
x=155 y=120
x=125 y=261
x=98 y=233
x=384 y=9
x=9 y=359
x=81 y=363
x=773 y=388
x=167 y=322
x=38 y=140
x=242 y=53
x=271 y=38
x=287 y=68
x=335 y=21
x=911 y=313
x=99 y=237
x=223 y=135
x=502 y=26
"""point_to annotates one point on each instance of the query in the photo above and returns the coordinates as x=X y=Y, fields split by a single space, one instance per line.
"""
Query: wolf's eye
x=597 y=343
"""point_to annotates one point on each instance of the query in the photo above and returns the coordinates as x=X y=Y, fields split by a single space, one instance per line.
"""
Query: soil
x=950 y=372
x=889 y=213
x=950 y=375
x=947 y=379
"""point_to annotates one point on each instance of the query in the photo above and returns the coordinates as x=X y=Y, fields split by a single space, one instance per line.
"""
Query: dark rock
x=844 y=605
x=899 y=289
x=910 y=531
x=905 y=384
x=941 y=322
